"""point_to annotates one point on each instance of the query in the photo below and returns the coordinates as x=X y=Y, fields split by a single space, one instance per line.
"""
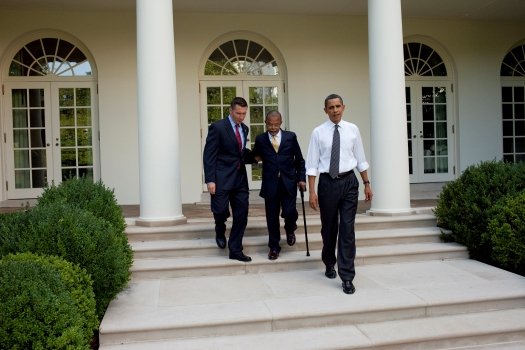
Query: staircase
x=412 y=292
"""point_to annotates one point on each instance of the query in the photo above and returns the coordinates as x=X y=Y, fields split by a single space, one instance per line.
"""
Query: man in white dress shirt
x=335 y=150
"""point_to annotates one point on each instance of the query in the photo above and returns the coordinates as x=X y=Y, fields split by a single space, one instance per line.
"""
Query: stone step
x=492 y=330
x=219 y=264
x=204 y=228
x=395 y=304
x=259 y=244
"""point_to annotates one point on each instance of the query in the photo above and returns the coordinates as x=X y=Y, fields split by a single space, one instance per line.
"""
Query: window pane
x=213 y=95
x=85 y=156
x=36 y=97
x=519 y=128
x=508 y=129
x=83 y=116
x=256 y=95
x=67 y=137
x=84 y=137
x=66 y=97
x=507 y=111
x=442 y=165
x=506 y=94
x=67 y=117
x=21 y=159
x=20 y=118
x=19 y=98
x=442 y=148
x=38 y=138
x=38 y=158
x=22 y=179
x=428 y=130
x=441 y=112
x=68 y=156
x=441 y=130
x=428 y=112
x=256 y=115
x=37 y=118
x=69 y=173
x=83 y=97
x=20 y=139
x=508 y=145
x=86 y=173
x=228 y=94
x=441 y=95
x=214 y=114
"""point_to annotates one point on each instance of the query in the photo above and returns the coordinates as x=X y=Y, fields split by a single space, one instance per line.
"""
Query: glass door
x=430 y=132
x=262 y=96
x=51 y=135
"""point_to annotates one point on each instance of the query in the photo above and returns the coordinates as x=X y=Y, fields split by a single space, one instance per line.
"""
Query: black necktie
x=334 y=156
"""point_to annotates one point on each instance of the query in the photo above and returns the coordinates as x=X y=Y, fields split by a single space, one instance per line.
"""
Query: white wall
x=477 y=50
x=110 y=38
x=323 y=54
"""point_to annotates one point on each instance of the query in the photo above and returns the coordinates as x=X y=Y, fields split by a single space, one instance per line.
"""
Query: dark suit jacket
x=223 y=163
x=287 y=163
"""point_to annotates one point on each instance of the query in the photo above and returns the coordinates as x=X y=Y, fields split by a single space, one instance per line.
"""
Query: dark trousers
x=289 y=212
x=338 y=206
x=238 y=199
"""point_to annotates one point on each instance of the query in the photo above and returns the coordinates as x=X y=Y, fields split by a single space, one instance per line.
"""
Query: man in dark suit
x=225 y=175
x=283 y=172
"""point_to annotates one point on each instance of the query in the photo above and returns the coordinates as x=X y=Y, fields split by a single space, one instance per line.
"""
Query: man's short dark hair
x=331 y=97
x=239 y=101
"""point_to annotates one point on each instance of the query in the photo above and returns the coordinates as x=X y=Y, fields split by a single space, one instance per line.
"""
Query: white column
x=389 y=158
x=159 y=168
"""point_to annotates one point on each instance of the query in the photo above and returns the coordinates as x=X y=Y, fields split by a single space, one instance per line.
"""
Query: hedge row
x=482 y=209
x=80 y=223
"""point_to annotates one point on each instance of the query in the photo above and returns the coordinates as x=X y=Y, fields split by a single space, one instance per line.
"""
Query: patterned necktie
x=238 y=135
x=334 y=156
x=275 y=144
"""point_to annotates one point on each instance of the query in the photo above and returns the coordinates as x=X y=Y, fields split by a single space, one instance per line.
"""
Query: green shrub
x=464 y=204
x=37 y=310
x=506 y=233
x=86 y=194
x=77 y=281
x=79 y=237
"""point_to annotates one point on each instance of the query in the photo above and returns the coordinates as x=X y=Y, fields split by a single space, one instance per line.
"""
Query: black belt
x=340 y=175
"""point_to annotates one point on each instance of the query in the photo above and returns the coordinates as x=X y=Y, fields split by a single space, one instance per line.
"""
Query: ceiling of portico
x=443 y=9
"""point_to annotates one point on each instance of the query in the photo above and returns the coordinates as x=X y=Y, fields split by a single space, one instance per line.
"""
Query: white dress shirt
x=352 y=154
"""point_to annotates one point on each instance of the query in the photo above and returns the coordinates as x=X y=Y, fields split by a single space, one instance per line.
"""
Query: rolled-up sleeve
x=359 y=153
x=312 y=158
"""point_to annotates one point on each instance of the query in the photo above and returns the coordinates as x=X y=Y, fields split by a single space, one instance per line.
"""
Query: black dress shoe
x=290 y=238
x=240 y=257
x=221 y=241
x=290 y=235
x=273 y=254
x=348 y=287
x=330 y=272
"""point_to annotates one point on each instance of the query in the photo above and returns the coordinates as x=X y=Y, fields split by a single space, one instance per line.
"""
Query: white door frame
x=420 y=152
x=52 y=134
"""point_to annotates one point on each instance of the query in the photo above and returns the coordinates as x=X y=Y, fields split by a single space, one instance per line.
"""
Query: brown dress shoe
x=273 y=254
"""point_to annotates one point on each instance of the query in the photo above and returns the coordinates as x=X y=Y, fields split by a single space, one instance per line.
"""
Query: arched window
x=422 y=60
x=513 y=64
x=50 y=56
x=513 y=104
x=241 y=57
